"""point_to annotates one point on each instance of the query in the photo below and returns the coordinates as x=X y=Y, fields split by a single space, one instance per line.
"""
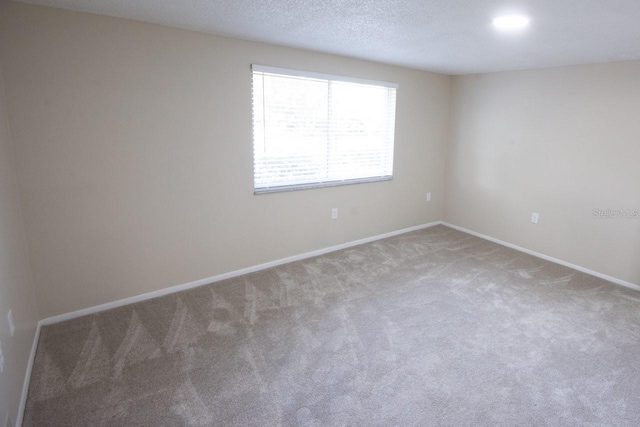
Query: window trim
x=309 y=186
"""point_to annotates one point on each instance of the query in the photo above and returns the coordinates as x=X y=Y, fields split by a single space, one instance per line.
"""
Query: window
x=316 y=130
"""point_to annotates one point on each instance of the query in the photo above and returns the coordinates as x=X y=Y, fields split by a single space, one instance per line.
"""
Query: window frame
x=257 y=68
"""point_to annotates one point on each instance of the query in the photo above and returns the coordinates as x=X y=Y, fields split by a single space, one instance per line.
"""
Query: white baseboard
x=224 y=276
x=27 y=377
x=252 y=269
x=548 y=258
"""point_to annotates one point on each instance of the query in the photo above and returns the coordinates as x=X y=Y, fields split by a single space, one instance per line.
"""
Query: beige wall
x=560 y=142
x=16 y=286
x=134 y=156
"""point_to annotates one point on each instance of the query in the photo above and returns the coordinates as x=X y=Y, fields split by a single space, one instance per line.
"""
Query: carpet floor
x=429 y=328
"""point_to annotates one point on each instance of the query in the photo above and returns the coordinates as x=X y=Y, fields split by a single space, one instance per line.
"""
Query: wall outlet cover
x=535 y=217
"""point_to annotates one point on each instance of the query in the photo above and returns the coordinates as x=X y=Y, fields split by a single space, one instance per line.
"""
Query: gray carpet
x=430 y=328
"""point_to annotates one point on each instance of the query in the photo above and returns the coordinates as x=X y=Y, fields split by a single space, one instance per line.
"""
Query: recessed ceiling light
x=511 y=22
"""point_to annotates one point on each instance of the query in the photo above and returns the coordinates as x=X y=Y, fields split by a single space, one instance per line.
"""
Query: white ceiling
x=448 y=36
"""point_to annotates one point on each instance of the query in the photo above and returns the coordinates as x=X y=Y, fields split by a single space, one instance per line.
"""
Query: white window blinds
x=314 y=129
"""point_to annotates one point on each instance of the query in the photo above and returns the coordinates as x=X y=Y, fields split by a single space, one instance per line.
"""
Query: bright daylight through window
x=314 y=130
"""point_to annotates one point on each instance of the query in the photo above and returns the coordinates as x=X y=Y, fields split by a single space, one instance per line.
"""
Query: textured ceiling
x=449 y=36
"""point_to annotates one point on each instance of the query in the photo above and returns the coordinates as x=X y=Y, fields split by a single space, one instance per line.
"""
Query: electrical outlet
x=429 y=196
x=334 y=213
x=1 y=359
x=12 y=327
x=534 y=217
